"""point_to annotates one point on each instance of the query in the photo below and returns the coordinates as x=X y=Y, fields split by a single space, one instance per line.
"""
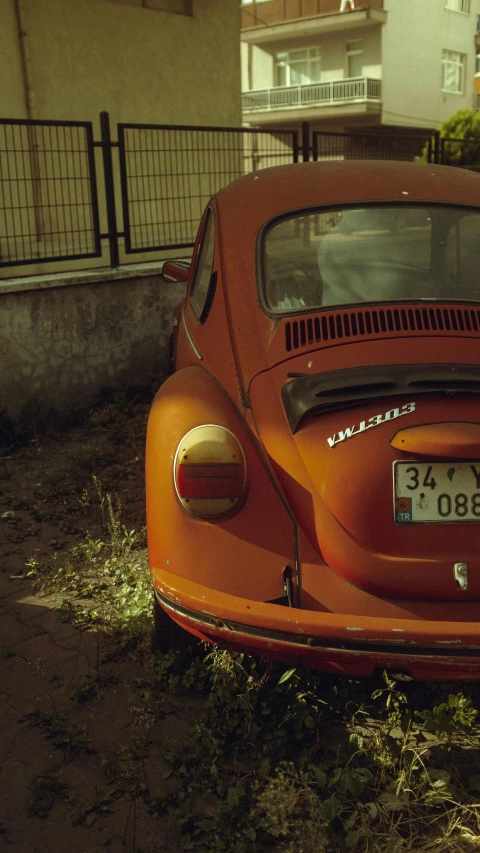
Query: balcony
x=279 y=11
x=275 y=19
x=331 y=93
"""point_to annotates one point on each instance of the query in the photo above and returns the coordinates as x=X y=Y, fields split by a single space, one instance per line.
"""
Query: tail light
x=209 y=471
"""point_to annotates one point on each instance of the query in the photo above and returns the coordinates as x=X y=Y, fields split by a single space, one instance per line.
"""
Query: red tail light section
x=209 y=471
x=210 y=481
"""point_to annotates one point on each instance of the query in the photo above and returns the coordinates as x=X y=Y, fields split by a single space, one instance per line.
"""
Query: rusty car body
x=313 y=463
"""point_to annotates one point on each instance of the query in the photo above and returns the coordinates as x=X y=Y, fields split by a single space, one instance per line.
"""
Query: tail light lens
x=209 y=471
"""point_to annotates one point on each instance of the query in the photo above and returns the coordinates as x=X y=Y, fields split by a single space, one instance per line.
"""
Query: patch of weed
x=47 y=788
x=101 y=805
x=106 y=580
x=60 y=730
x=90 y=687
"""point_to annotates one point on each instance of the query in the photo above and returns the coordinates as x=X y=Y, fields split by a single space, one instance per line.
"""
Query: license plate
x=440 y=492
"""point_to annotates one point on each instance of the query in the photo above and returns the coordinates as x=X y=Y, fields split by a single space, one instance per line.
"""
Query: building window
x=177 y=7
x=477 y=64
x=297 y=67
x=354 y=58
x=458 y=6
x=453 y=72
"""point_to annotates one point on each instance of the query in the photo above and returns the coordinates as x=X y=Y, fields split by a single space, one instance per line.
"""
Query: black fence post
x=305 y=141
x=437 y=147
x=295 y=145
x=429 y=150
x=109 y=188
x=441 y=156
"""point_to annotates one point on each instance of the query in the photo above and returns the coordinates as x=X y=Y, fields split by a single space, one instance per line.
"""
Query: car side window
x=203 y=283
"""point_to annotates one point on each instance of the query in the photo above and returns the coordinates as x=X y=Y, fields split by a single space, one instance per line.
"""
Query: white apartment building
x=399 y=66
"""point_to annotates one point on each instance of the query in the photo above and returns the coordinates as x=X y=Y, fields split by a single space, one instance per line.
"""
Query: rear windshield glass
x=371 y=254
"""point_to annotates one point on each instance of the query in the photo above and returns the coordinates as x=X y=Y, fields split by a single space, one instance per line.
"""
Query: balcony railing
x=332 y=92
x=476 y=102
x=278 y=11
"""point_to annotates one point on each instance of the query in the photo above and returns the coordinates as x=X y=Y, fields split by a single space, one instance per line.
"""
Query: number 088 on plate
x=437 y=492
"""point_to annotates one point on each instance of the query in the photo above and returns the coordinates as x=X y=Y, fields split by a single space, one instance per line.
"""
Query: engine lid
x=336 y=462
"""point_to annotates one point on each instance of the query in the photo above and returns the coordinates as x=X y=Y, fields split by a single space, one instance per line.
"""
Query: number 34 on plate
x=441 y=492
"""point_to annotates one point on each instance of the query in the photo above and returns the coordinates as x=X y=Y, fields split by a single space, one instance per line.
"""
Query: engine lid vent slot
x=336 y=326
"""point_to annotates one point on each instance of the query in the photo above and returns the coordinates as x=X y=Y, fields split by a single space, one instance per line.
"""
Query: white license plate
x=441 y=492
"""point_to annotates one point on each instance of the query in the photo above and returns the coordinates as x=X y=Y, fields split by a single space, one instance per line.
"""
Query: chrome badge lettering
x=374 y=421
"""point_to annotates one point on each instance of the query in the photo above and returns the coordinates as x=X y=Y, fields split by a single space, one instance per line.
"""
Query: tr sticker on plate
x=441 y=492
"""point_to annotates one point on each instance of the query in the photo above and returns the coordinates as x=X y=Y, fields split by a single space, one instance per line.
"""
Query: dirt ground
x=71 y=723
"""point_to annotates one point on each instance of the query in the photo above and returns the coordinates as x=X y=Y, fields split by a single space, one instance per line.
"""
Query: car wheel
x=168 y=635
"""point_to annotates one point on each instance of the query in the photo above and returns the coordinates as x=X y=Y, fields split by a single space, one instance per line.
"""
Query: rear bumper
x=349 y=645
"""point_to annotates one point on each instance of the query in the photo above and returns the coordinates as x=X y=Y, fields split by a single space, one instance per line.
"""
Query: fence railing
x=51 y=208
x=359 y=146
x=316 y=94
x=460 y=152
x=279 y=11
x=168 y=173
x=154 y=181
x=48 y=192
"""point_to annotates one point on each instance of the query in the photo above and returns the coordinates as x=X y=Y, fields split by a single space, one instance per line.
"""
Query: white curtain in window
x=298 y=67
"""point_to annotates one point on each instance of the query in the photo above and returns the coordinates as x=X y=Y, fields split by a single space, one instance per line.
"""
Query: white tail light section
x=209 y=471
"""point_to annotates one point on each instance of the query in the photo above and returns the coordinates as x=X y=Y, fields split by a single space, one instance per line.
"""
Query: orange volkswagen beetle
x=313 y=463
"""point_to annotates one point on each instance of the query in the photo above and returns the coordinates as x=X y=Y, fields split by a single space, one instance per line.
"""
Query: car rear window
x=353 y=255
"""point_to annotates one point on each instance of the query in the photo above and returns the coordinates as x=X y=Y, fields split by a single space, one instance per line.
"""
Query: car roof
x=248 y=203
x=278 y=189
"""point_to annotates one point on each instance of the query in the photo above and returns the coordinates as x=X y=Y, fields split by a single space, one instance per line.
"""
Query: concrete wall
x=412 y=42
x=63 y=339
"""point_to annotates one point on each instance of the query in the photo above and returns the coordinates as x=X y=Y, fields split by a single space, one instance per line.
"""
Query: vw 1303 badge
x=374 y=421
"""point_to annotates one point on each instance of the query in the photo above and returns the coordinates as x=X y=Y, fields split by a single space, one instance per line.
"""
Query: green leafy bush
x=461 y=139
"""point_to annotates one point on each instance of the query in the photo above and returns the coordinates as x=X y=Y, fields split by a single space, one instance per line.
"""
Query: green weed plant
x=280 y=759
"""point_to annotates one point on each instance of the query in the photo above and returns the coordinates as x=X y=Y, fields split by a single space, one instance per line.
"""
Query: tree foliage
x=461 y=133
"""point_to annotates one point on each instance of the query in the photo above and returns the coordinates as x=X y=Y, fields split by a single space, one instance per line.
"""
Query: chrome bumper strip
x=395 y=647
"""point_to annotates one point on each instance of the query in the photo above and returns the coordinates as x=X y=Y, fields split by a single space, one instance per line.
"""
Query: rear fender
x=244 y=553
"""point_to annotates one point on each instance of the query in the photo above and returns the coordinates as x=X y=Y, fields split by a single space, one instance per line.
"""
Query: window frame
x=349 y=52
x=201 y=309
x=311 y=210
x=288 y=65
x=448 y=61
x=452 y=4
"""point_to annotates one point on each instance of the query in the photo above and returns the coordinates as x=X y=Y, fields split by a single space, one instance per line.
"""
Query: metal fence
x=48 y=192
x=356 y=89
x=460 y=152
x=157 y=179
x=359 y=146
x=168 y=173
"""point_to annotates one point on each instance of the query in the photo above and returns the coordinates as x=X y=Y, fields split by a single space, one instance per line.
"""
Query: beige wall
x=416 y=33
x=142 y=65
x=262 y=67
x=12 y=88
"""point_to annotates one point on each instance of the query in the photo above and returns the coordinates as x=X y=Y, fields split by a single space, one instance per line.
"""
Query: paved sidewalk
x=41 y=661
